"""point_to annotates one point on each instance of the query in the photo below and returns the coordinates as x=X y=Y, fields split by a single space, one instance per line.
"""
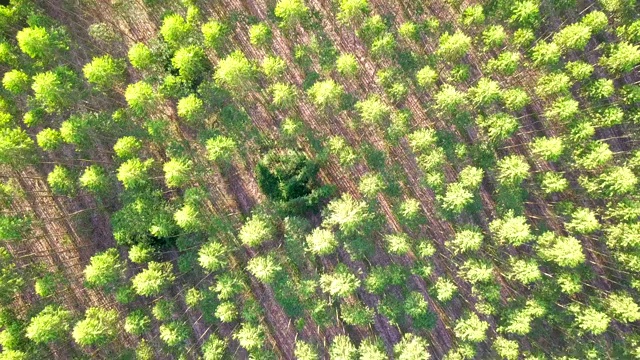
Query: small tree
x=326 y=94
x=456 y=198
x=37 y=42
x=104 y=72
x=51 y=324
x=191 y=108
x=283 y=95
x=291 y=12
x=94 y=179
x=526 y=13
x=226 y=312
x=356 y=314
x=592 y=321
x=450 y=100
x=524 y=271
x=177 y=172
x=371 y=184
x=549 y=149
x=467 y=240
x=61 y=181
x=507 y=349
x=105 y=270
x=426 y=77
x=235 y=71
x=213 y=256
x=352 y=10
x=471 y=328
x=273 y=66
x=494 y=36
x=499 y=126
x=563 y=251
x=623 y=307
x=545 y=53
x=127 y=147
x=573 y=37
x=98 y=327
x=154 y=279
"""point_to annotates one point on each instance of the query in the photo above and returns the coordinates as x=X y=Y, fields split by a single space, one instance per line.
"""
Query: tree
x=235 y=71
x=260 y=34
x=290 y=12
x=104 y=270
x=37 y=42
x=127 y=147
x=61 y=181
x=255 y=231
x=191 y=62
x=133 y=173
x=373 y=110
x=506 y=63
x=450 y=100
x=175 y=30
x=305 y=351
x=49 y=139
x=426 y=77
x=372 y=348
x=94 y=179
x=188 y=217
x=471 y=328
x=220 y=148
x=411 y=347
x=467 y=240
x=273 y=66
x=507 y=349
x=163 y=309
x=321 y=242
x=55 y=90
x=546 y=53
x=371 y=184
x=141 y=97
x=347 y=65
x=326 y=94
x=494 y=36
x=592 y=320
x=98 y=327
x=453 y=47
x=356 y=314
x=499 y=126
x=49 y=325
x=264 y=268
x=104 y=72
x=226 y=312
x=349 y=215
x=526 y=13
x=456 y=198
x=515 y=99
x=623 y=307
x=341 y=283
x=524 y=271
x=154 y=279
x=352 y=10
x=140 y=56
x=548 y=148
x=511 y=229
x=213 y=348
x=622 y=58
x=214 y=33
x=583 y=221
x=174 y=333
x=176 y=172
x=445 y=289
x=250 y=336
x=563 y=251
x=573 y=37
x=16 y=147
x=137 y=323
x=141 y=253
x=342 y=348
x=512 y=170
x=283 y=95
x=213 y=256
x=16 y=81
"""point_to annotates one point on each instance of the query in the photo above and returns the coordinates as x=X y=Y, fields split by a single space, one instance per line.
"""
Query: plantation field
x=320 y=179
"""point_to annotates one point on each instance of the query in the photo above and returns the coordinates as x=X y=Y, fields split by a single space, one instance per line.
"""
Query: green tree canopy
x=326 y=94
x=104 y=270
x=154 y=279
x=105 y=72
x=213 y=256
x=51 y=324
x=98 y=327
x=235 y=71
